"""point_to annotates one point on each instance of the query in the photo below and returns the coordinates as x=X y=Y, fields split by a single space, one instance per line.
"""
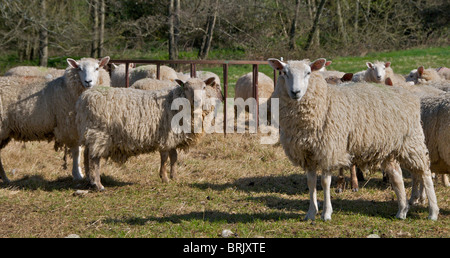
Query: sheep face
x=296 y=75
x=88 y=70
x=378 y=70
x=197 y=90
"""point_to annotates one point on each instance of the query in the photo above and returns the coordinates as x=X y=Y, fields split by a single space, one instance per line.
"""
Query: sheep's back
x=435 y=114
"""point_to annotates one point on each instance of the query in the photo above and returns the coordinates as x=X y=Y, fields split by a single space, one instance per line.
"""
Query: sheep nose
x=294 y=93
x=379 y=78
x=88 y=82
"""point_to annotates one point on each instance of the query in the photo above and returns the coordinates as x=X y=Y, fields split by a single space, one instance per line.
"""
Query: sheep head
x=88 y=70
x=378 y=70
x=296 y=74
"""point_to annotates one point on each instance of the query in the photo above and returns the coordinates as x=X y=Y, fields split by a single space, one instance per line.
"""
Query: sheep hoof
x=355 y=190
x=338 y=190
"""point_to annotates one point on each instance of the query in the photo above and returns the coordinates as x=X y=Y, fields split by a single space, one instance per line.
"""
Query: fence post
x=225 y=90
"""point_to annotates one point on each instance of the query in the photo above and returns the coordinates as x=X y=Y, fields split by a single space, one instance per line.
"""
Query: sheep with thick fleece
x=118 y=123
x=152 y=84
x=325 y=127
x=435 y=114
x=202 y=75
x=149 y=71
x=244 y=87
x=118 y=74
x=375 y=72
x=35 y=71
x=43 y=110
x=444 y=72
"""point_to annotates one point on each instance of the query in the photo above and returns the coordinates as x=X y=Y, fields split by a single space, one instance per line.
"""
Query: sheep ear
x=387 y=64
x=72 y=63
x=113 y=66
x=210 y=81
x=276 y=64
x=104 y=61
x=180 y=82
x=347 y=77
x=388 y=81
x=318 y=64
x=420 y=70
x=328 y=63
x=370 y=65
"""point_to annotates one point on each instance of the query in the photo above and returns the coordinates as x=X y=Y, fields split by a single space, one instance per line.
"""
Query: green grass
x=230 y=182
x=402 y=61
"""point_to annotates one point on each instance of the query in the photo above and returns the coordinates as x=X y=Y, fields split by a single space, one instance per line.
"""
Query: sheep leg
x=395 y=177
x=445 y=181
x=2 y=173
x=311 y=177
x=76 y=170
x=162 y=171
x=173 y=160
x=354 y=178
x=341 y=181
x=429 y=189
x=418 y=195
x=92 y=168
x=327 y=209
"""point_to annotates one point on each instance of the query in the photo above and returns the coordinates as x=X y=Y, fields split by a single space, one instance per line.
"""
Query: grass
x=230 y=182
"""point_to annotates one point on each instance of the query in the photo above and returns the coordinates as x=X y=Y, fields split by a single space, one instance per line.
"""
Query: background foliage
x=243 y=29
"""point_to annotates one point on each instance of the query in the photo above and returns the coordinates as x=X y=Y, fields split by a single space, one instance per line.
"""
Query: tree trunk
x=101 y=34
x=207 y=39
x=94 y=16
x=341 y=21
x=315 y=26
x=294 y=26
x=43 y=36
x=356 y=17
x=174 y=12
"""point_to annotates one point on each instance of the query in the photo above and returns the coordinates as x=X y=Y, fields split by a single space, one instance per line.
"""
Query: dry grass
x=224 y=183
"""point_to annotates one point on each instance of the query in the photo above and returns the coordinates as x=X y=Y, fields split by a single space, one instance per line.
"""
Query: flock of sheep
x=328 y=120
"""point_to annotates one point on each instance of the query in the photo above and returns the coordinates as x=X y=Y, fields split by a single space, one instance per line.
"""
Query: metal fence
x=193 y=65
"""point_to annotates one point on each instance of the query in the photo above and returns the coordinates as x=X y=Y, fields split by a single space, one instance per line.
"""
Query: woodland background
x=44 y=32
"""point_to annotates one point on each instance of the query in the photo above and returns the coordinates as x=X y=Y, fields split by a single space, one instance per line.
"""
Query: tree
x=207 y=39
x=315 y=25
x=294 y=26
x=43 y=36
x=174 y=22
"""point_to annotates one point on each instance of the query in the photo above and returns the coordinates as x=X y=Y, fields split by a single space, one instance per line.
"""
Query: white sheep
x=320 y=131
x=43 y=110
x=435 y=114
x=444 y=72
x=244 y=87
x=202 y=75
x=149 y=71
x=35 y=71
x=376 y=72
x=118 y=74
x=118 y=123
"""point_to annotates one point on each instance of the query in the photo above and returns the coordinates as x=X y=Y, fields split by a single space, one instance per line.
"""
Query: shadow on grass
x=210 y=216
x=37 y=182
x=291 y=185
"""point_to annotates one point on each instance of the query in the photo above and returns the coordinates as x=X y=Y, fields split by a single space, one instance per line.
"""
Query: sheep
x=430 y=76
x=43 y=110
x=35 y=71
x=444 y=72
x=337 y=77
x=423 y=76
x=118 y=123
x=376 y=72
x=149 y=71
x=321 y=131
x=153 y=84
x=118 y=74
x=203 y=75
x=244 y=87
x=435 y=114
